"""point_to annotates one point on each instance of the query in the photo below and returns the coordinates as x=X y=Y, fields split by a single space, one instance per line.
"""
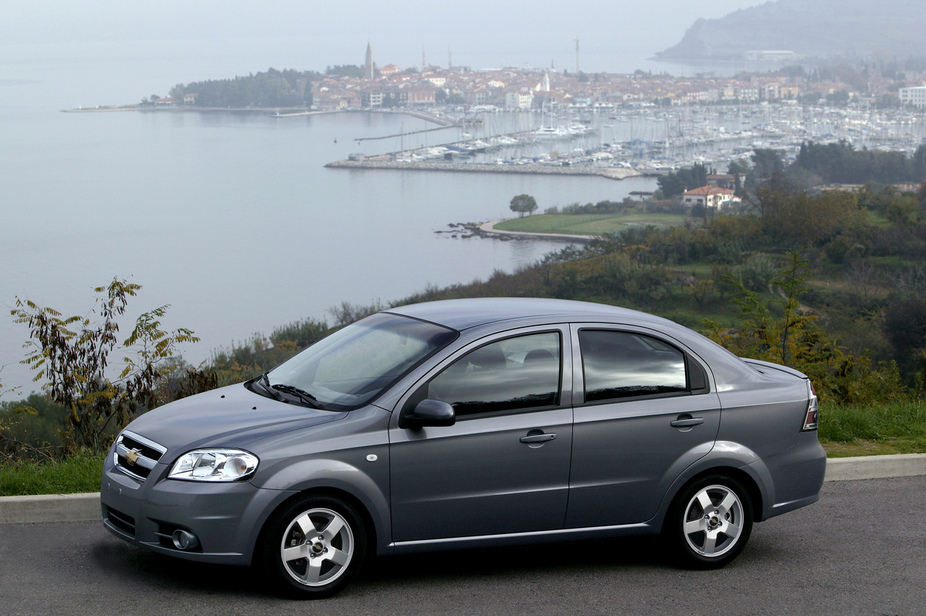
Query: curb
x=86 y=507
x=50 y=508
x=876 y=467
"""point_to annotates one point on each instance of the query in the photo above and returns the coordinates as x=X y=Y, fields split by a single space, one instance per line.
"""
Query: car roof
x=461 y=314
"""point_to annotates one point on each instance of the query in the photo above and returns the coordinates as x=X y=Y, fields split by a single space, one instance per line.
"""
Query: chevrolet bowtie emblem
x=131 y=457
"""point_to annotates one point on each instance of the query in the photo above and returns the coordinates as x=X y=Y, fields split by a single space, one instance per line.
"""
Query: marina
x=620 y=142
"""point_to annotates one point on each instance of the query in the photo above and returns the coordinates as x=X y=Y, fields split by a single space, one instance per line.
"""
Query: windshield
x=352 y=366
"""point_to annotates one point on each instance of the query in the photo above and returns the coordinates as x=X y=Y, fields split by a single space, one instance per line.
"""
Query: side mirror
x=427 y=413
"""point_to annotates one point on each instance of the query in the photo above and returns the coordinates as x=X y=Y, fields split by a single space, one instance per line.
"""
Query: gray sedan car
x=470 y=423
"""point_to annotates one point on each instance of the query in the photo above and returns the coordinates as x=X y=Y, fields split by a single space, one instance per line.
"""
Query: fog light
x=184 y=539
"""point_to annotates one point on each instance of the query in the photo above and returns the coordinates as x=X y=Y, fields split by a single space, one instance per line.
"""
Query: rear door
x=644 y=413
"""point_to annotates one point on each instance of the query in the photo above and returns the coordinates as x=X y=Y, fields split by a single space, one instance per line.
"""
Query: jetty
x=612 y=173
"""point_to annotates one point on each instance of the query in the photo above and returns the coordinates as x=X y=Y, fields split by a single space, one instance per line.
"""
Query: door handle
x=537 y=438
x=686 y=421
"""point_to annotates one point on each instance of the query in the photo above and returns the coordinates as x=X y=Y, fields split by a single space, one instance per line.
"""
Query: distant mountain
x=819 y=28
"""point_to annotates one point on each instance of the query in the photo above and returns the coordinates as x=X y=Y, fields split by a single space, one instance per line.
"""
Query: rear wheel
x=710 y=522
x=314 y=547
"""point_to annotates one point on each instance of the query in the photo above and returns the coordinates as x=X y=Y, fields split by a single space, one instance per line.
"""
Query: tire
x=709 y=523
x=314 y=547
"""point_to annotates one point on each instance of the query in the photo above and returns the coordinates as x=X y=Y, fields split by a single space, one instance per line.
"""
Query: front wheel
x=710 y=522
x=314 y=547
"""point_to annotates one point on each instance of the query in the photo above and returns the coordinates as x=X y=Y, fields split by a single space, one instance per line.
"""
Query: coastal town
x=612 y=125
x=568 y=122
x=526 y=88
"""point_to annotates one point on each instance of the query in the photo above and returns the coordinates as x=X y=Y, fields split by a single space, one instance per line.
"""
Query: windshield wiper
x=264 y=384
x=303 y=396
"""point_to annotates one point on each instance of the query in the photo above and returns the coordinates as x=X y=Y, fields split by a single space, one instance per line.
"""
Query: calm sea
x=231 y=219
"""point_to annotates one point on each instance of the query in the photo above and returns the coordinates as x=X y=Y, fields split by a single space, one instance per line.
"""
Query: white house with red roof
x=709 y=197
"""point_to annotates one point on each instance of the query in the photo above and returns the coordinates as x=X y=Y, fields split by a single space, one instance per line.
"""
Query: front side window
x=511 y=374
x=623 y=365
x=352 y=366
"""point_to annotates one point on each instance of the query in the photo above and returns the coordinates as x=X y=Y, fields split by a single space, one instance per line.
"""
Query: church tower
x=368 y=64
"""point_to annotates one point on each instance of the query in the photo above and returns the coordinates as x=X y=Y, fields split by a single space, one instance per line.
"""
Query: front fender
x=367 y=484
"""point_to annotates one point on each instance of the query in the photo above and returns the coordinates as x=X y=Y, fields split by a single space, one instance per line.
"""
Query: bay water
x=232 y=218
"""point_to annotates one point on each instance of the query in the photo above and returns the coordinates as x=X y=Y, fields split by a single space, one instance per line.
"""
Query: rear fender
x=726 y=458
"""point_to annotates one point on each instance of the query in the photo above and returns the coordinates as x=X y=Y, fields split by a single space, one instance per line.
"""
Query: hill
x=823 y=28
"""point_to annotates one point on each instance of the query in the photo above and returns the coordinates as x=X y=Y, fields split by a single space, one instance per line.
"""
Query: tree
x=787 y=335
x=767 y=162
x=838 y=98
x=701 y=290
x=73 y=355
x=523 y=204
x=737 y=167
x=905 y=328
x=272 y=88
x=177 y=93
x=455 y=98
x=677 y=182
x=919 y=164
x=840 y=162
x=346 y=70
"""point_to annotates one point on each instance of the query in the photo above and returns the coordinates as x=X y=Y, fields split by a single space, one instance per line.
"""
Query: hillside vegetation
x=824 y=28
x=831 y=282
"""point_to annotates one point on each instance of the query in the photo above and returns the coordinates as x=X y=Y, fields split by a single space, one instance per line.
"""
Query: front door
x=504 y=466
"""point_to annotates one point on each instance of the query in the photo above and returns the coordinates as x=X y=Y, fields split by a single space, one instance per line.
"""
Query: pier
x=442 y=124
x=611 y=173
x=406 y=134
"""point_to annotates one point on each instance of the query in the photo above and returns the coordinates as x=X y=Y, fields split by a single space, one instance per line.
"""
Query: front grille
x=123 y=522
x=136 y=456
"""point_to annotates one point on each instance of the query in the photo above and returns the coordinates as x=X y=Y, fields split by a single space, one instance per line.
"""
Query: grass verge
x=873 y=429
x=73 y=475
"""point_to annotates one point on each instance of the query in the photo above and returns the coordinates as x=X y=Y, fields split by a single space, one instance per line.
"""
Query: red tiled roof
x=709 y=190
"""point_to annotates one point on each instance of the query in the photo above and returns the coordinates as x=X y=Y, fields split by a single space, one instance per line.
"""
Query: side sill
x=510 y=539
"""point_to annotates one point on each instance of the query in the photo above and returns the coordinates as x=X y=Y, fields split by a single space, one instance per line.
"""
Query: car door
x=503 y=467
x=644 y=414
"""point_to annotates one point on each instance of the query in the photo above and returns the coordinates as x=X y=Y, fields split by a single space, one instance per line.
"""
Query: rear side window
x=509 y=375
x=623 y=364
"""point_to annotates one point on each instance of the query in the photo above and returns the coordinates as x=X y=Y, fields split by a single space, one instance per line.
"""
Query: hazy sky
x=312 y=35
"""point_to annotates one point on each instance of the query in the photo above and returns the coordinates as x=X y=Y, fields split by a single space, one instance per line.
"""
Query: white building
x=710 y=197
x=915 y=96
x=518 y=100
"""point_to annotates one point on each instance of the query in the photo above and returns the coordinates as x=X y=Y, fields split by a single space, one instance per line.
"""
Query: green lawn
x=588 y=224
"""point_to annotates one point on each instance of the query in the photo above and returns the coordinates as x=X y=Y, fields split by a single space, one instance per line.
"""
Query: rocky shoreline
x=468 y=230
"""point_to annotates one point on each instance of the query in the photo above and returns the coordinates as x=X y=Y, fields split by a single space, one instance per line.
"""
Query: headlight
x=214 y=465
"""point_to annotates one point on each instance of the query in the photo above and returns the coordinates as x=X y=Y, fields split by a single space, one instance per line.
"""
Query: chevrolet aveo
x=470 y=423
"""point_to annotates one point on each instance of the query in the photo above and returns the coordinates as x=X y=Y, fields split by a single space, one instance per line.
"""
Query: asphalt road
x=860 y=550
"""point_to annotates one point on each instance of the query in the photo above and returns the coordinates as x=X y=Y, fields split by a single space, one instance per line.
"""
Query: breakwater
x=612 y=173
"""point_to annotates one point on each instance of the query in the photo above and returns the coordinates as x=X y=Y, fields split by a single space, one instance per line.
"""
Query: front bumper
x=226 y=518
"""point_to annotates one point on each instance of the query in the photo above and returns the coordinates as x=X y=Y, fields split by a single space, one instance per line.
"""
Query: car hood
x=231 y=416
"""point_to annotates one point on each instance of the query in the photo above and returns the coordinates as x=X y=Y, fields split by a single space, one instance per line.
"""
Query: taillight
x=810 y=417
